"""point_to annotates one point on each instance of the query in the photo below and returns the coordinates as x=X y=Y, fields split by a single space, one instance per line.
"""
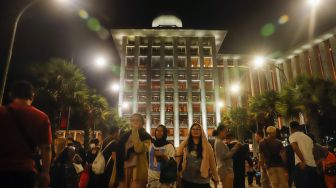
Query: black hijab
x=163 y=141
x=121 y=155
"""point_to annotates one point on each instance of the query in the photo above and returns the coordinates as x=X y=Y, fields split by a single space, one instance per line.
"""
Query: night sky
x=53 y=30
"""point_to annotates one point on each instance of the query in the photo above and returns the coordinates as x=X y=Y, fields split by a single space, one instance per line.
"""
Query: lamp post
x=11 y=45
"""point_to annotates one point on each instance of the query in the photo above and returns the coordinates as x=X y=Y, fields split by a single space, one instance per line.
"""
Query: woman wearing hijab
x=132 y=160
x=198 y=160
x=159 y=151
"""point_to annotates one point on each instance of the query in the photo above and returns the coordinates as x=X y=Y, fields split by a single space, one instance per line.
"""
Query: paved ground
x=254 y=185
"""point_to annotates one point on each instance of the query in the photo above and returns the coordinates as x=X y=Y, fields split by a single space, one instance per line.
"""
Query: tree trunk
x=315 y=129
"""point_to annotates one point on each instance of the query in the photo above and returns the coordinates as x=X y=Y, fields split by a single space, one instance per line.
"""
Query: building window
x=211 y=121
x=182 y=76
x=128 y=85
x=168 y=76
x=129 y=62
x=196 y=97
x=181 y=51
x=195 y=75
x=156 y=63
x=194 y=50
x=197 y=119
x=168 y=51
x=209 y=97
x=194 y=42
x=169 y=107
x=182 y=85
x=128 y=97
x=142 y=108
x=182 y=97
x=144 y=51
x=169 y=85
x=155 y=107
x=209 y=85
x=206 y=41
x=196 y=108
x=209 y=108
x=142 y=86
x=220 y=62
x=156 y=119
x=142 y=75
x=207 y=51
x=168 y=42
x=181 y=62
x=143 y=61
x=143 y=41
x=181 y=42
x=156 y=85
x=129 y=75
x=195 y=85
x=183 y=108
x=195 y=62
x=156 y=51
x=142 y=98
x=169 y=121
x=156 y=98
x=169 y=62
x=169 y=97
x=208 y=76
x=131 y=41
x=130 y=51
x=183 y=120
x=208 y=62
x=156 y=75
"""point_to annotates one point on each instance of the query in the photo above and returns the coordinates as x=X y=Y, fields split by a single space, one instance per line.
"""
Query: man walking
x=265 y=183
x=305 y=173
x=23 y=128
x=273 y=154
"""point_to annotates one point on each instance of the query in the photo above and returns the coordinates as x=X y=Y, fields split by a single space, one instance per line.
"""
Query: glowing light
x=100 y=62
x=94 y=24
x=258 y=62
x=314 y=3
x=83 y=14
x=221 y=104
x=283 y=19
x=125 y=105
x=268 y=30
x=114 y=87
x=235 y=88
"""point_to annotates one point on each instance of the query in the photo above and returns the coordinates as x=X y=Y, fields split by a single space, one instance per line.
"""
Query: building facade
x=175 y=76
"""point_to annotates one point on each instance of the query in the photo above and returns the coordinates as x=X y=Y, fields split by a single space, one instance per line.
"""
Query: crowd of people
x=135 y=159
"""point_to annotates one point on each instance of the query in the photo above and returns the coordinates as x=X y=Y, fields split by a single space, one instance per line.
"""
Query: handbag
x=84 y=178
x=168 y=172
x=99 y=164
x=78 y=167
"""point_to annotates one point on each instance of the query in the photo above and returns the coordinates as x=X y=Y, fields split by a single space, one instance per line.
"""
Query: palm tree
x=263 y=108
x=61 y=82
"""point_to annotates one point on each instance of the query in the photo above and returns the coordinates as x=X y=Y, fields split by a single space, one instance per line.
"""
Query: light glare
x=235 y=88
x=314 y=3
x=258 y=62
x=114 y=87
x=100 y=62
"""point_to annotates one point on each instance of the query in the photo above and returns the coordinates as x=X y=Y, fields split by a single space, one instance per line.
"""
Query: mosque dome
x=167 y=21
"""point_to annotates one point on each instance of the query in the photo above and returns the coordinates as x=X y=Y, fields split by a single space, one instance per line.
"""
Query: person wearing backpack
x=160 y=153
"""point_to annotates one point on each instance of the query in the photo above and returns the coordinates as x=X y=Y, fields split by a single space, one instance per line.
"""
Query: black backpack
x=168 y=171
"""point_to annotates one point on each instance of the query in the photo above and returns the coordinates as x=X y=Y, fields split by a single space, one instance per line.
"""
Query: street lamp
x=314 y=3
x=260 y=61
x=235 y=88
x=114 y=87
x=11 y=45
x=100 y=62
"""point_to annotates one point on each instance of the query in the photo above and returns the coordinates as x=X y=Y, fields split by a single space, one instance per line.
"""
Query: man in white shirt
x=305 y=173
